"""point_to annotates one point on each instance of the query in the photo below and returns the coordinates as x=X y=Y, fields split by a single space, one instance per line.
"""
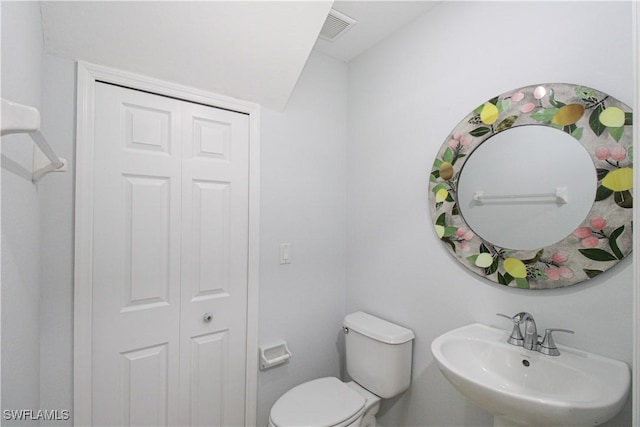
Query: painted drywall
x=21 y=77
x=303 y=203
x=405 y=95
x=56 y=236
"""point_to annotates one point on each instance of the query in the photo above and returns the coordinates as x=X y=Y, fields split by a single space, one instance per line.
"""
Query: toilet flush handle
x=345 y=329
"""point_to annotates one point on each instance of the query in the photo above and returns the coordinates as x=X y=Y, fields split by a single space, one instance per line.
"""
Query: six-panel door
x=169 y=255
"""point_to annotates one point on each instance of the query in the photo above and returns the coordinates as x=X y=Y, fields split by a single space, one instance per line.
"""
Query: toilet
x=379 y=362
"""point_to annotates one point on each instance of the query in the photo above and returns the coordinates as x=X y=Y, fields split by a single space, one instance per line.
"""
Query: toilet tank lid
x=378 y=329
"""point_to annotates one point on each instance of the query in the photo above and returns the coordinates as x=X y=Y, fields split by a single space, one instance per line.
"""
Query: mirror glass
x=514 y=176
x=534 y=188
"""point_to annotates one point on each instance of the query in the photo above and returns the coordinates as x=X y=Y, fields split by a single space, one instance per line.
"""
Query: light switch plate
x=285 y=253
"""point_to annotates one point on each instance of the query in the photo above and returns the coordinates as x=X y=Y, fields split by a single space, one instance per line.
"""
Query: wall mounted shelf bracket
x=18 y=118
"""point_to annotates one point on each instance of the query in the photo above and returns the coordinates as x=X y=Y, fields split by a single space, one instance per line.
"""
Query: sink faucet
x=530 y=331
x=530 y=340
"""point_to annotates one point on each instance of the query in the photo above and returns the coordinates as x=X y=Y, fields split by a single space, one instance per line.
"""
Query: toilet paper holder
x=274 y=355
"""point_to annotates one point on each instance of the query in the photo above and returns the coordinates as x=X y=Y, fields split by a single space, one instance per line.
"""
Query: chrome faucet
x=530 y=340
x=530 y=331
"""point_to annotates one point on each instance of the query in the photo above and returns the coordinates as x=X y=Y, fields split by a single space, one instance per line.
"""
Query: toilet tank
x=378 y=354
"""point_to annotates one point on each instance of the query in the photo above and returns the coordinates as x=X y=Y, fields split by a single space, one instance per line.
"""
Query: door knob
x=207 y=317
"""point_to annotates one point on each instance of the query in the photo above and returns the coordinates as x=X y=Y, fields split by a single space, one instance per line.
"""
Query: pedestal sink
x=524 y=387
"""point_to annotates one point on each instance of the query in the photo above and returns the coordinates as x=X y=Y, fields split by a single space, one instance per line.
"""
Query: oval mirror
x=533 y=188
x=506 y=191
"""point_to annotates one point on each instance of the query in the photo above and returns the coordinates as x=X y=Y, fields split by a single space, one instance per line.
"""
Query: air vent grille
x=336 y=25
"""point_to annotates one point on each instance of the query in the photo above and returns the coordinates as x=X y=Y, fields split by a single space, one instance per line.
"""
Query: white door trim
x=87 y=76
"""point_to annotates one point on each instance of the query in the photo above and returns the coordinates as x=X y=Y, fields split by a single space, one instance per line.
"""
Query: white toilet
x=378 y=360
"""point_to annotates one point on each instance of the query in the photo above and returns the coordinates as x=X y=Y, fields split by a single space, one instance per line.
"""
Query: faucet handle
x=548 y=346
x=504 y=315
x=516 y=337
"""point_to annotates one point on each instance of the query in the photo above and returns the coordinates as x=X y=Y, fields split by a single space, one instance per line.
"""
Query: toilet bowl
x=379 y=362
x=325 y=402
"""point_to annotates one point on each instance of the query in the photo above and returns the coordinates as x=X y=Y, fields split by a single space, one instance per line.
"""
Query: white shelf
x=18 y=118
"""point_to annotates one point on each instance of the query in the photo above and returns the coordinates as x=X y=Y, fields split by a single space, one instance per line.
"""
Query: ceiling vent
x=336 y=25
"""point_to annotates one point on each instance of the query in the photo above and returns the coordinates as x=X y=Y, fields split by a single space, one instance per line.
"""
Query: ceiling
x=376 y=20
x=251 y=50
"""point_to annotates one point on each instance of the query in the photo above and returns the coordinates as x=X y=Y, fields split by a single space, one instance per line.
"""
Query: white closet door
x=136 y=258
x=214 y=265
x=169 y=245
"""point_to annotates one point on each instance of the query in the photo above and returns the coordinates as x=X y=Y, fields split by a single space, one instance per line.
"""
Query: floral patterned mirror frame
x=603 y=125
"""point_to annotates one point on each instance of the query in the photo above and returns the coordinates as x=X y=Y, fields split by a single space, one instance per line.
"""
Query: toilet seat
x=322 y=402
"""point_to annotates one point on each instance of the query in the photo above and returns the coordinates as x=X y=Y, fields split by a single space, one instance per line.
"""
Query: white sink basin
x=524 y=387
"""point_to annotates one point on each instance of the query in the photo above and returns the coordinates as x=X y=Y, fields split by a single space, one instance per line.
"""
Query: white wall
x=405 y=96
x=303 y=203
x=21 y=77
x=57 y=228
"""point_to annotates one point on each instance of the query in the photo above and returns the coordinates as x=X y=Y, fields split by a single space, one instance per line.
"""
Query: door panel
x=208 y=379
x=136 y=259
x=146 y=250
x=144 y=386
x=170 y=243
x=214 y=263
x=211 y=239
